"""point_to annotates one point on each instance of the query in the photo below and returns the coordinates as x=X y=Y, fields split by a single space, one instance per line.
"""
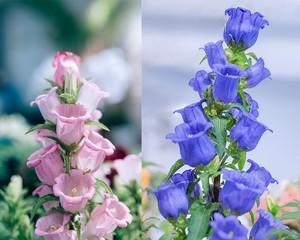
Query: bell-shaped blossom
x=70 y=122
x=215 y=53
x=227 y=228
x=264 y=226
x=74 y=190
x=193 y=113
x=247 y=132
x=65 y=63
x=252 y=103
x=132 y=162
x=242 y=27
x=195 y=146
x=47 y=104
x=256 y=73
x=42 y=137
x=90 y=95
x=185 y=180
x=225 y=88
x=172 y=200
x=200 y=82
x=261 y=173
x=47 y=163
x=53 y=226
x=92 y=152
x=106 y=218
x=240 y=191
x=44 y=190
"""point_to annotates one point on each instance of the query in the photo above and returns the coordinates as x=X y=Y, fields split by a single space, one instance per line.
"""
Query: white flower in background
x=129 y=168
x=111 y=71
x=14 y=127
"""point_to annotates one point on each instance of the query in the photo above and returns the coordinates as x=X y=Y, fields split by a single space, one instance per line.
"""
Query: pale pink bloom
x=96 y=115
x=129 y=168
x=47 y=104
x=107 y=217
x=90 y=95
x=54 y=227
x=70 y=122
x=47 y=163
x=65 y=63
x=42 y=137
x=74 y=190
x=93 y=152
x=44 y=190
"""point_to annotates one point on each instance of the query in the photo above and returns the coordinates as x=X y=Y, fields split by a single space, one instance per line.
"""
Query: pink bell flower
x=47 y=163
x=121 y=165
x=47 y=104
x=90 y=95
x=107 y=217
x=65 y=63
x=54 y=227
x=44 y=190
x=93 y=152
x=74 y=190
x=70 y=122
x=42 y=137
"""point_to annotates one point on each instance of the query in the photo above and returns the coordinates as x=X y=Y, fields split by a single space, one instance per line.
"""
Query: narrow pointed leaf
x=98 y=125
x=175 y=167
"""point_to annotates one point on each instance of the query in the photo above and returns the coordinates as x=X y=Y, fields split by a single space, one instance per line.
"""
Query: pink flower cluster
x=69 y=176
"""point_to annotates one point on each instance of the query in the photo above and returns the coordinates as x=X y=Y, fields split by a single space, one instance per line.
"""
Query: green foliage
x=98 y=125
x=131 y=196
x=219 y=134
x=175 y=167
x=14 y=212
x=198 y=224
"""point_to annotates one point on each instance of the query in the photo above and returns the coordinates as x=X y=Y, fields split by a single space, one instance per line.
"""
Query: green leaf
x=46 y=125
x=68 y=98
x=252 y=217
x=203 y=59
x=241 y=160
x=102 y=184
x=198 y=223
x=40 y=202
x=244 y=98
x=253 y=55
x=294 y=204
x=290 y=215
x=175 y=167
x=98 y=125
x=220 y=133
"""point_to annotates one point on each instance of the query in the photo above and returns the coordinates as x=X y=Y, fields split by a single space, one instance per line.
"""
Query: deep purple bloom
x=264 y=226
x=195 y=146
x=226 y=85
x=256 y=73
x=172 y=200
x=193 y=113
x=185 y=180
x=215 y=53
x=247 y=132
x=227 y=228
x=253 y=104
x=261 y=173
x=200 y=82
x=240 y=190
x=242 y=27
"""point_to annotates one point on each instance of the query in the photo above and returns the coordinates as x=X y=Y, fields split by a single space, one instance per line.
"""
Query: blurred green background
x=105 y=33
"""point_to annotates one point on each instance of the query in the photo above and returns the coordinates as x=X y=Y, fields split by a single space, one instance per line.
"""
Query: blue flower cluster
x=223 y=99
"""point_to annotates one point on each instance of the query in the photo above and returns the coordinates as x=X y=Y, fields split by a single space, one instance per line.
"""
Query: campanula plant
x=206 y=201
x=78 y=204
